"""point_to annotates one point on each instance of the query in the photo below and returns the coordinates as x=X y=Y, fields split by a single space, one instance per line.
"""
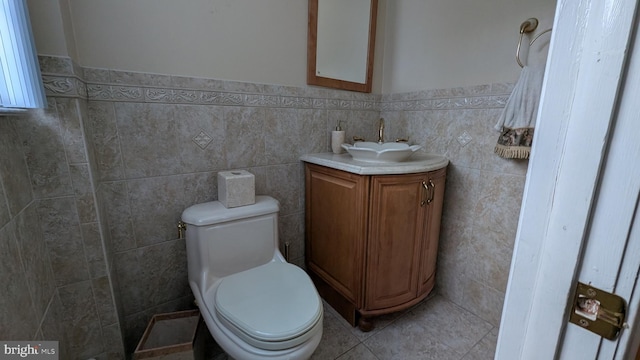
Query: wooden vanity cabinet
x=371 y=240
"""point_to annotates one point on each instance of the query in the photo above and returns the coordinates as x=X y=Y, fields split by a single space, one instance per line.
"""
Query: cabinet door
x=396 y=228
x=336 y=204
x=436 y=181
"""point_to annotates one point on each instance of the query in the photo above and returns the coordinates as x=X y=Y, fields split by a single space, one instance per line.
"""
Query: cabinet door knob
x=429 y=192
x=425 y=193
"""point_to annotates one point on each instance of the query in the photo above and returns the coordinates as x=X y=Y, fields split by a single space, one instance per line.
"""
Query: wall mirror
x=341 y=42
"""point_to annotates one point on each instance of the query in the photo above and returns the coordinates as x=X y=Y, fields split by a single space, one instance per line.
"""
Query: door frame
x=586 y=69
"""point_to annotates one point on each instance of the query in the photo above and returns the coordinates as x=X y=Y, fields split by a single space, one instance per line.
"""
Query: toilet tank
x=222 y=241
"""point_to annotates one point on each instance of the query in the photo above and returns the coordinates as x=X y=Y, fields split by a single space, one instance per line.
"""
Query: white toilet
x=255 y=304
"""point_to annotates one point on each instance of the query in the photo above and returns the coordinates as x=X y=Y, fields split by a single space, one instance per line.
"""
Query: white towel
x=519 y=116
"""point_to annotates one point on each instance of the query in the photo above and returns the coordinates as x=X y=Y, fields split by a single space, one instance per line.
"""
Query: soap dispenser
x=337 y=139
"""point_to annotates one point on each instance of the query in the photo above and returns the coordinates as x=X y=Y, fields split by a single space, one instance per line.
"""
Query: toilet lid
x=274 y=302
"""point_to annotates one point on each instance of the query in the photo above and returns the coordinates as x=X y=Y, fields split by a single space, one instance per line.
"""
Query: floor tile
x=360 y=352
x=336 y=339
x=485 y=349
x=409 y=341
x=456 y=327
x=435 y=329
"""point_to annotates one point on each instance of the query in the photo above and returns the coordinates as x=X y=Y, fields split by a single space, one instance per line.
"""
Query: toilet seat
x=273 y=306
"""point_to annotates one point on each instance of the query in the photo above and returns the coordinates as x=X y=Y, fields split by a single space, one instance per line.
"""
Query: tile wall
x=483 y=194
x=132 y=150
x=159 y=142
x=60 y=288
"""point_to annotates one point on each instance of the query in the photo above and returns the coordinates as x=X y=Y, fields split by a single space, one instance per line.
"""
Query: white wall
x=49 y=28
x=421 y=44
x=243 y=40
x=432 y=44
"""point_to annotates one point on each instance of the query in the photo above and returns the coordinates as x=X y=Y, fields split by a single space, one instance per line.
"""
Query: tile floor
x=434 y=329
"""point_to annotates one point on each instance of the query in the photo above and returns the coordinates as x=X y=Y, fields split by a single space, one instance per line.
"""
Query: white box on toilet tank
x=236 y=188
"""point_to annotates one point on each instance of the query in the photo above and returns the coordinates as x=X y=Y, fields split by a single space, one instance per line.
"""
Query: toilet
x=255 y=304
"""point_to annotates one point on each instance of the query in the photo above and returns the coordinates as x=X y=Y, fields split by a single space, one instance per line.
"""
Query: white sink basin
x=372 y=152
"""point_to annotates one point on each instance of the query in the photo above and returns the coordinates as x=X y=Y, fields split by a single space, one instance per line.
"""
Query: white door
x=580 y=205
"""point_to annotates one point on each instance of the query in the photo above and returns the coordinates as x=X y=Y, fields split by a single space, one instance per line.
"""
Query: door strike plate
x=598 y=311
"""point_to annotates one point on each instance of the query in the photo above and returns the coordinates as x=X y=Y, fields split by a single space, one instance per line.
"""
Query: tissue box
x=236 y=188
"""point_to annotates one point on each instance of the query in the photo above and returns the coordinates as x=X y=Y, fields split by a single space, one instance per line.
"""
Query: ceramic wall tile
x=35 y=258
x=282 y=135
x=104 y=303
x=148 y=140
x=94 y=249
x=461 y=193
x=117 y=293
x=112 y=341
x=245 y=140
x=283 y=183
x=197 y=83
x=453 y=252
x=260 y=174
x=104 y=140
x=82 y=324
x=14 y=174
x=52 y=327
x=498 y=204
x=83 y=188
x=312 y=134
x=44 y=152
x=114 y=198
x=152 y=275
x=488 y=261
x=96 y=75
x=461 y=151
x=56 y=65
x=71 y=130
x=451 y=277
x=4 y=208
x=61 y=231
x=237 y=86
x=201 y=137
x=133 y=328
x=502 y=88
x=139 y=78
x=135 y=324
x=291 y=230
x=16 y=307
x=157 y=203
x=199 y=188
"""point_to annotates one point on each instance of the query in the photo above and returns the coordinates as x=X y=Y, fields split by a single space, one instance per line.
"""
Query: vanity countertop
x=418 y=162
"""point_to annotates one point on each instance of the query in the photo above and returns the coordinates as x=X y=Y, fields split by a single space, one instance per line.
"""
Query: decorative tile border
x=63 y=78
x=60 y=86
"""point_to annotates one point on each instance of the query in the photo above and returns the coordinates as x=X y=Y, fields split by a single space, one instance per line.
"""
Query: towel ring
x=526 y=27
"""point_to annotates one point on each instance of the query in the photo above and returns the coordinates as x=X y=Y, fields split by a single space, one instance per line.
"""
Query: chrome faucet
x=381 y=131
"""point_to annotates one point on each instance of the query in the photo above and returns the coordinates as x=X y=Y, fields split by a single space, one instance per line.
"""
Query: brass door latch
x=598 y=311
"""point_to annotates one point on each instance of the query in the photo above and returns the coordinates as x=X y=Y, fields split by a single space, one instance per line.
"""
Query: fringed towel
x=519 y=116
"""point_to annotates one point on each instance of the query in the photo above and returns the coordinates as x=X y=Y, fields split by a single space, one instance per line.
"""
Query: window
x=20 y=80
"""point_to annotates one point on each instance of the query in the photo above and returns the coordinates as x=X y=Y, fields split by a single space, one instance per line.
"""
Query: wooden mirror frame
x=312 y=35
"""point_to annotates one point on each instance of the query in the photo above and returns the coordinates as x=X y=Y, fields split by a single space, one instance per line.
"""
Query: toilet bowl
x=255 y=304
